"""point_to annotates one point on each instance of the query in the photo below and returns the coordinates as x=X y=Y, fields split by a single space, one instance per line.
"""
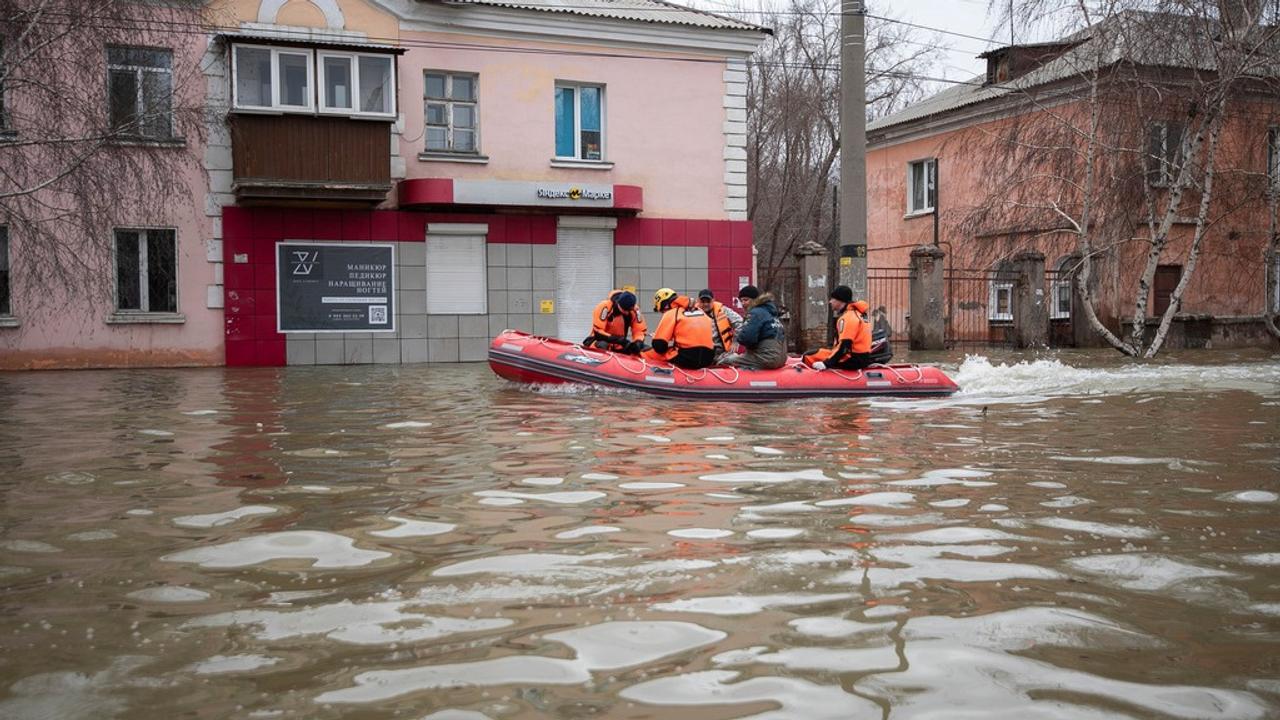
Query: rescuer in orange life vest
x=617 y=325
x=724 y=321
x=684 y=335
x=852 y=348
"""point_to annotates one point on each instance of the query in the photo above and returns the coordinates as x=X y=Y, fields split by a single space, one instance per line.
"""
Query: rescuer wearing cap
x=617 y=325
x=852 y=347
x=684 y=336
x=723 y=319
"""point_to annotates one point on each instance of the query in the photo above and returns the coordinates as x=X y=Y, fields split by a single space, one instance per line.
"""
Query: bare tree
x=102 y=105
x=793 y=101
x=1119 y=145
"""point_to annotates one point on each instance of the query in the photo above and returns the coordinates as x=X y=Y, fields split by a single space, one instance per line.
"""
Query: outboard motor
x=881 y=350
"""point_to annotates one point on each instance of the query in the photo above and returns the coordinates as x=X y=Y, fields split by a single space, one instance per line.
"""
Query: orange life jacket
x=608 y=321
x=851 y=327
x=682 y=327
x=723 y=326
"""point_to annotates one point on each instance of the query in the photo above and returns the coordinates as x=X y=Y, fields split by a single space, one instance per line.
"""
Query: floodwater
x=1071 y=536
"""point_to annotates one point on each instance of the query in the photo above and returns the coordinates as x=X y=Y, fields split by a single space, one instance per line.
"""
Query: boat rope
x=689 y=378
x=855 y=378
x=736 y=374
x=644 y=365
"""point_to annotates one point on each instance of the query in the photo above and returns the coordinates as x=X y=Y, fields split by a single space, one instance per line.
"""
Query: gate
x=889 y=295
x=979 y=307
x=1061 y=305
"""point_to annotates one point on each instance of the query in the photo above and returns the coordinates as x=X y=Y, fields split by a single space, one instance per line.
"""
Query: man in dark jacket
x=762 y=336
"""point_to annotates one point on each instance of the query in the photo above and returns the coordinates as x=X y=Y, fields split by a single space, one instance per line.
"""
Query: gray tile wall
x=520 y=277
x=649 y=267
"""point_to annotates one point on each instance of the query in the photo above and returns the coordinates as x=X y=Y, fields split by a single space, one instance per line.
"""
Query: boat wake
x=985 y=383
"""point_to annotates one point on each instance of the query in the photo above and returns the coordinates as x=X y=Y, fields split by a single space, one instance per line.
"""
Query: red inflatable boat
x=528 y=358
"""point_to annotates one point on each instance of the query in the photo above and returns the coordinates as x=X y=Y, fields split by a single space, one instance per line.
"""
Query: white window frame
x=275 y=105
x=930 y=192
x=140 y=71
x=449 y=104
x=144 y=299
x=354 y=59
x=442 y=233
x=577 y=121
x=1062 y=285
x=993 y=305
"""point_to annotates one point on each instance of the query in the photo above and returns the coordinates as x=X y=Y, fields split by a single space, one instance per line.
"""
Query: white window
x=457 y=269
x=1061 y=293
x=355 y=84
x=140 y=92
x=268 y=78
x=580 y=121
x=1001 y=301
x=451 y=112
x=1166 y=146
x=1000 y=295
x=922 y=182
x=6 y=308
x=146 y=270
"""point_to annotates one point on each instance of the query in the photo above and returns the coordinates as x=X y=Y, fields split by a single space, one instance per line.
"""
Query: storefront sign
x=335 y=287
x=573 y=192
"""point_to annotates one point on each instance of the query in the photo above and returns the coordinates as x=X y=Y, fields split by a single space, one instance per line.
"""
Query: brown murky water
x=1067 y=538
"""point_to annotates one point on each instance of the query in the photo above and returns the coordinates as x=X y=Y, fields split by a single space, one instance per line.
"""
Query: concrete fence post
x=1030 y=306
x=928 y=326
x=812 y=259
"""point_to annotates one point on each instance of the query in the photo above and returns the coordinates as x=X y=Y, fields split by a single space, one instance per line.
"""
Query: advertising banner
x=335 y=287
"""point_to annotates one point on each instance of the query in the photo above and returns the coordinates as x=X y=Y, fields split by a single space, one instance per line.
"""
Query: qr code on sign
x=377 y=314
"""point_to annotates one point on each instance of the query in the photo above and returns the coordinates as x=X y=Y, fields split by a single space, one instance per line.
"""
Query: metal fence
x=1061 y=307
x=889 y=295
x=979 y=307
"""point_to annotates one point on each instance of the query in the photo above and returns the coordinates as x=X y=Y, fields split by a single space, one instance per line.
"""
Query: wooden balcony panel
x=302 y=157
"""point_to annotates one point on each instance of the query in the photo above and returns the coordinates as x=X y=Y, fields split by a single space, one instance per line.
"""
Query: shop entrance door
x=584 y=272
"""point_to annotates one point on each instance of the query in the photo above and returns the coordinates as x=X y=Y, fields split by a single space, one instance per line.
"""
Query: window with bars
x=1000 y=294
x=140 y=92
x=579 y=121
x=146 y=270
x=452 y=112
x=1061 y=294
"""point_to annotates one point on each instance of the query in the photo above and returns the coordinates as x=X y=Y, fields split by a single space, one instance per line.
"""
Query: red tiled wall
x=250 y=288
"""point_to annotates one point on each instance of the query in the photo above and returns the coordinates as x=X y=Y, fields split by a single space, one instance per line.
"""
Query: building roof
x=1130 y=37
x=651 y=11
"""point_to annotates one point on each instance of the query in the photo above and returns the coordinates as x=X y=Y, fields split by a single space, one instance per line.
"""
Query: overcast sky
x=963 y=17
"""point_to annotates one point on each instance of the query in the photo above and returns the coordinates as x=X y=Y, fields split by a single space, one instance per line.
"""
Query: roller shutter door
x=584 y=277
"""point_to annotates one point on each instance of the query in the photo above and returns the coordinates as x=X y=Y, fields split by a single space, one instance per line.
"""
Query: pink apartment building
x=930 y=179
x=398 y=180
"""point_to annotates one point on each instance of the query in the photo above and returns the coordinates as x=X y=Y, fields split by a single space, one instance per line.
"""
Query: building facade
x=980 y=168
x=503 y=165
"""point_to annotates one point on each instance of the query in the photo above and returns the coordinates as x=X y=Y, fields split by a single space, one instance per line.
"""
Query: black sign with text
x=323 y=287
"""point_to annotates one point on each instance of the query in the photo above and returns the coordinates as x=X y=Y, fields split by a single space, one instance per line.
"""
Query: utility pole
x=853 y=147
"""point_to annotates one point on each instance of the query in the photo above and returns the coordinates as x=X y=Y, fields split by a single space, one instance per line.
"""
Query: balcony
x=310 y=160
